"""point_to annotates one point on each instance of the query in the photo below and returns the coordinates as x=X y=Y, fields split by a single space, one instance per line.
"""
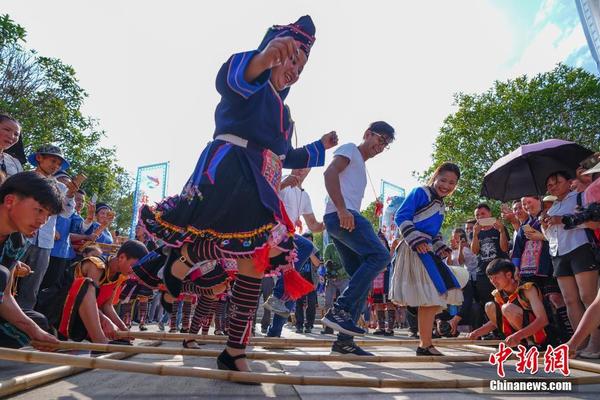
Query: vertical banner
x=391 y=196
x=150 y=188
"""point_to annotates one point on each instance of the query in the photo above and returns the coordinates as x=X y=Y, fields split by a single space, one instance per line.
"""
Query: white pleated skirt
x=410 y=284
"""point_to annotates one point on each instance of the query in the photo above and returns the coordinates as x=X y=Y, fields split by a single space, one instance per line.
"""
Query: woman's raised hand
x=278 y=50
x=329 y=140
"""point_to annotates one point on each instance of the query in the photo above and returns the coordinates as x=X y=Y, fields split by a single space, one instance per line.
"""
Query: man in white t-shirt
x=297 y=203
x=361 y=252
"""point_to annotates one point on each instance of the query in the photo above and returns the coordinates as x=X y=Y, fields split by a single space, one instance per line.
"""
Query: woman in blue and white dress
x=420 y=278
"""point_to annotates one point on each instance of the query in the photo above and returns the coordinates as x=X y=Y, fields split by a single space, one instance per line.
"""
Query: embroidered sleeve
x=311 y=155
x=230 y=79
x=404 y=218
x=438 y=245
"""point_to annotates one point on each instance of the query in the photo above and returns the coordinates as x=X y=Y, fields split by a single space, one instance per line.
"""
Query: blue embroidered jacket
x=420 y=218
x=256 y=112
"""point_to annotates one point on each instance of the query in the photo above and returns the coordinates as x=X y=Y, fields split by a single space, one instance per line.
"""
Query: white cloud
x=546 y=9
x=551 y=45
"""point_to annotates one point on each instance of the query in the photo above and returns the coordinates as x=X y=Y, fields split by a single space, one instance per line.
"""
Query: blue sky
x=149 y=67
x=558 y=19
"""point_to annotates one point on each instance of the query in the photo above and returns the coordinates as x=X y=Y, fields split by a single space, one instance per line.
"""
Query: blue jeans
x=363 y=257
x=305 y=248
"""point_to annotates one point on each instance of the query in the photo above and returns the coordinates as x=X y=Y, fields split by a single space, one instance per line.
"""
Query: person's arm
x=311 y=155
x=277 y=51
x=475 y=243
x=334 y=190
x=439 y=247
x=541 y=319
x=483 y=330
x=12 y=313
x=313 y=225
x=417 y=240
x=503 y=236
x=461 y=253
x=109 y=311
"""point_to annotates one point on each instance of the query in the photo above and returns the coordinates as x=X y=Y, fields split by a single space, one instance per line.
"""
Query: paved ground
x=118 y=385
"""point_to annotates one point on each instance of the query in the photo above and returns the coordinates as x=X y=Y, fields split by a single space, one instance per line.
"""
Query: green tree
x=369 y=213
x=44 y=94
x=563 y=103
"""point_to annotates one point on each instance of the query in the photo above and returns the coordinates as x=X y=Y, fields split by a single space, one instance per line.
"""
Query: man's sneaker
x=388 y=333
x=277 y=306
x=327 y=331
x=307 y=330
x=340 y=321
x=379 y=332
x=299 y=330
x=348 y=348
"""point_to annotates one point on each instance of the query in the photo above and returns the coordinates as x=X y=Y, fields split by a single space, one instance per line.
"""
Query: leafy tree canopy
x=44 y=95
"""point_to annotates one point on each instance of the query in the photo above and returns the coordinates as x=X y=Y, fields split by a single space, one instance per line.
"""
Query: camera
x=590 y=213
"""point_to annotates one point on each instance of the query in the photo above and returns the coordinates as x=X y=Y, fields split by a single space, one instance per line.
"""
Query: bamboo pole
x=269 y=356
x=259 y=341
x=233 y=376
x=30 y=381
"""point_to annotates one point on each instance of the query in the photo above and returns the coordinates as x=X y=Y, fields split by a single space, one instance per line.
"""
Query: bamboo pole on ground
x=259 y=341
x=269 y=356
x=232 y=376
x=30 y=381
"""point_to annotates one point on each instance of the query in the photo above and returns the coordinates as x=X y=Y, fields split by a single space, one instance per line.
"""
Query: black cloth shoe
x=428 y=351
x=307 y=330
x=348 y=348
x=191 y=344
x=379 y=332
x=414 y=335
x=327 y=331
x=299 y=330
x=226 y=362
x=388 y=333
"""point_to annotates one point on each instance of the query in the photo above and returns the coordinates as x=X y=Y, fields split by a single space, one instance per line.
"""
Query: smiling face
x=286 y=74
x=374 y=143
x=531 y=205
x=25 y=214
x=9 y=133
x=445 y=183
x=49 y=164
x=102 y=216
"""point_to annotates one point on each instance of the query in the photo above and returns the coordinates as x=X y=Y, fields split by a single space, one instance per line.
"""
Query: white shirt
x=353 y=179
x=44 y=237
x=12 y=165
x=561 y=240
x=471 y=261
x=296 y=201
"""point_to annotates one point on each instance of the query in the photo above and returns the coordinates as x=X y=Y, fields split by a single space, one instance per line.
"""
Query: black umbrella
x=523 y=172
